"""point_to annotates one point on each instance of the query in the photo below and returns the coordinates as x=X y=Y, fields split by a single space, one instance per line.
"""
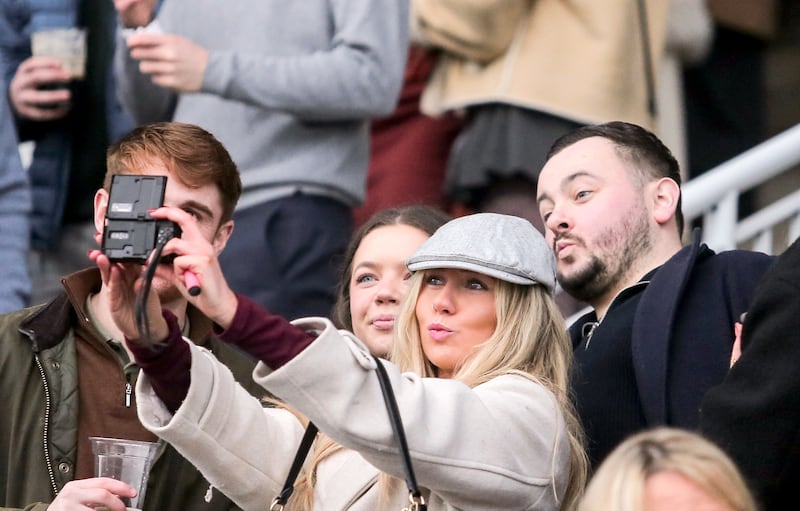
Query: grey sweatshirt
x=289 y=88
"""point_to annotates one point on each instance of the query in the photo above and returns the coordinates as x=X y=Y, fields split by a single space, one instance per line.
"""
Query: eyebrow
x=199 y=206
x=564 y=182
x=365 y=264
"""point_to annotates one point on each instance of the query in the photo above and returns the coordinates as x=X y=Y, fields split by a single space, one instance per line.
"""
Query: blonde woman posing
x=479 y=369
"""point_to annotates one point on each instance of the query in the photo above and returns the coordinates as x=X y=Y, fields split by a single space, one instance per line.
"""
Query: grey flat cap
x=501 y=246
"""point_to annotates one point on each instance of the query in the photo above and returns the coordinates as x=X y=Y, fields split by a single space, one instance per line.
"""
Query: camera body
x=130 y=233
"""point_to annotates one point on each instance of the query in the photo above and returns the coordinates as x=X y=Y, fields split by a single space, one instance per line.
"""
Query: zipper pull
x=588 y=332
x=128 y=391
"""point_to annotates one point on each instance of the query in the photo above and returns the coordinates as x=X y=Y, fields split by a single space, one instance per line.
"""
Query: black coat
x=754 y=414
x=681 y=338
x=683 y=334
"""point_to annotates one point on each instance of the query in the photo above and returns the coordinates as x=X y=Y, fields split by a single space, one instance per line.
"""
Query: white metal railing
x=714 y=195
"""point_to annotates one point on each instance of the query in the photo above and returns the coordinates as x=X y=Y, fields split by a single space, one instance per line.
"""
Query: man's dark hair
x=637 y=146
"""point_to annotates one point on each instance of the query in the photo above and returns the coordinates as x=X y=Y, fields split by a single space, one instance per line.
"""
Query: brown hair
x=424 y=218
x=193 y=155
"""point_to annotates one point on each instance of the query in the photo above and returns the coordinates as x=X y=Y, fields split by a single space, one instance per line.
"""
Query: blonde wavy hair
x=619 y=483
x=530 y=340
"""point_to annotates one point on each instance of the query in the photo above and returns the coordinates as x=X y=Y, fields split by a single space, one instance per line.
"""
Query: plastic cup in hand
x=126 y=460
x=66 y=44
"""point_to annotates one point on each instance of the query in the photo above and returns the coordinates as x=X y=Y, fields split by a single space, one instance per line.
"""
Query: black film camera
x=130 y=233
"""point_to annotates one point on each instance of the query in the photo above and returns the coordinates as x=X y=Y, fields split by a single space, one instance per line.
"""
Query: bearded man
x=662 y=326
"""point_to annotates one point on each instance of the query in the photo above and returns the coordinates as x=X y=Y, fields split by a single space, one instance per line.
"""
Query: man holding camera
x=64 y=371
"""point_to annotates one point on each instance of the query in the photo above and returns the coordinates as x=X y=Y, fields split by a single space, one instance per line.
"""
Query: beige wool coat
x=500 y=445
x=578 y=59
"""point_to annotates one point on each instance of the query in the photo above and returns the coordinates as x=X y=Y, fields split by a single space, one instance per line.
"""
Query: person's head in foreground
x=481 y=305
x=374 y=280
x=667 y=469
x=610 y=199
x=202 y=179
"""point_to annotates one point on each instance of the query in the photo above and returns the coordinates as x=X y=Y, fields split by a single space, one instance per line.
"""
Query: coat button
x=64 y=467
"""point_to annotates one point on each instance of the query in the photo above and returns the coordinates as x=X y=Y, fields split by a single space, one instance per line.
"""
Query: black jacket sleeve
x=754 y=414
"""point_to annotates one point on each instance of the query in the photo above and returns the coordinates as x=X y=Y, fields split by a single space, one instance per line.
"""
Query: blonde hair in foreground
x=619 y=483
x=530 y=340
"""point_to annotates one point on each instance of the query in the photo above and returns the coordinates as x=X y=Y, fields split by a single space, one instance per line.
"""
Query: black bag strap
x=417 y=502
x=288 y=487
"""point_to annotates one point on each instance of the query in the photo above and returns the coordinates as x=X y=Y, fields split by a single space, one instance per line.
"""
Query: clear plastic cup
x=66 y=44
x=128 y=461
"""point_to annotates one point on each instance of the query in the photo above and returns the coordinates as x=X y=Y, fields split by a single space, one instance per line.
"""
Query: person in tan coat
x=583 y=61
x=524 y=72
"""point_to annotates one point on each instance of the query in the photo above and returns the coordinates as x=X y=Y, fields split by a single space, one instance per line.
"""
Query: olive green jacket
x=39 y=418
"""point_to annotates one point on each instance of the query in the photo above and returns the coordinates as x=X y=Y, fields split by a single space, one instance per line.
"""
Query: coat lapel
x=652 y=329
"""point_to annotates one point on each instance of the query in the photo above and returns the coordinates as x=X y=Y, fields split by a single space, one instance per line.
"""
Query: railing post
x=794 y=229
x=719 y=224
x=763 y=242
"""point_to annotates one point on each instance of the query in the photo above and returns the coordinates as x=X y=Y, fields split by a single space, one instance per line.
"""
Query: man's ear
x=222 y=236
x=100 y=208
x=665 y=200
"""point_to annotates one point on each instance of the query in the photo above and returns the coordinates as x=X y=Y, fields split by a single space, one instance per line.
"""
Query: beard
x=616 y=250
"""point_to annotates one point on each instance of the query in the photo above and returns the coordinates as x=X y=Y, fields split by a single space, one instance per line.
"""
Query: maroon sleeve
x=266 y=336
x=168 y=364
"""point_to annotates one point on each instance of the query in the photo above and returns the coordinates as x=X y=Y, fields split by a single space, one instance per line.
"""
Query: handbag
x=415 y=498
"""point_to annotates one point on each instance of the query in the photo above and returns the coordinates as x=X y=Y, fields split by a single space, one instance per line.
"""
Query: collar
x=92 y=315
x=50 y=323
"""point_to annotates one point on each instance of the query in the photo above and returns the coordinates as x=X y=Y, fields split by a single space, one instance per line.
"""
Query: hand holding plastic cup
x=128 y=461
x=68 y=45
